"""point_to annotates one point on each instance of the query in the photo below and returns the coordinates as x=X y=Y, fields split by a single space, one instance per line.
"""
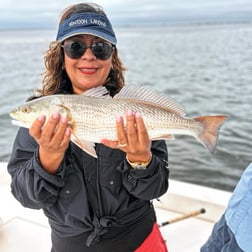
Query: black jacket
x=87 y=194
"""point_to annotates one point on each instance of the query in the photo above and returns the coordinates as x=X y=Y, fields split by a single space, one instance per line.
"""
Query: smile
x=88 y=70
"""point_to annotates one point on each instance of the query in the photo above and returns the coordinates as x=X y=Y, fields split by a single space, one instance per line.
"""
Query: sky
x=45 y=13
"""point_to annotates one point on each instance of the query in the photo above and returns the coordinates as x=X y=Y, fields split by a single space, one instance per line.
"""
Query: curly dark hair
x=55 y=79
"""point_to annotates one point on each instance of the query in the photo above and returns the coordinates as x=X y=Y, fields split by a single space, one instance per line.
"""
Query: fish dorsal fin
x=149 y=96
x=99 y=92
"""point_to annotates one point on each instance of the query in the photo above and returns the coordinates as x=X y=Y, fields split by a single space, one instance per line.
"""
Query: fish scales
x=91 y=123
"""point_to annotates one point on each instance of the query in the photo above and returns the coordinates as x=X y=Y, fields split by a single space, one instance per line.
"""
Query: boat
x=186 y=215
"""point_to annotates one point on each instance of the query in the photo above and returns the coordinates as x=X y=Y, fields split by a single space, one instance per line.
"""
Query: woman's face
x=87 y=71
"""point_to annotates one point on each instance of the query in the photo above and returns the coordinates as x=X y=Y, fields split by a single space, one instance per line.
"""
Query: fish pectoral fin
x=167 y=137
x=86 y=146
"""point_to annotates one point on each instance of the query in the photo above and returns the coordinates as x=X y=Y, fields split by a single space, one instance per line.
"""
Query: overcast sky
x=30 y=12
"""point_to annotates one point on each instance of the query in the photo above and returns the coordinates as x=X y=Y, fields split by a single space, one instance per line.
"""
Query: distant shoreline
x=142 y=24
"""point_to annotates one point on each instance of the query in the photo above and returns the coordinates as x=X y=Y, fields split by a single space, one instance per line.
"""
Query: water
x=207 y=68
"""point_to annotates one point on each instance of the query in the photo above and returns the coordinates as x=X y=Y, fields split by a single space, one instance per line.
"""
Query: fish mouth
x=20 y=124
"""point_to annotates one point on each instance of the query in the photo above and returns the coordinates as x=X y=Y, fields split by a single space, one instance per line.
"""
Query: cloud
x=47 y=12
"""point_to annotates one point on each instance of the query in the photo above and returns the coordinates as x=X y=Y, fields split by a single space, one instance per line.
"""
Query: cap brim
x=93 y=32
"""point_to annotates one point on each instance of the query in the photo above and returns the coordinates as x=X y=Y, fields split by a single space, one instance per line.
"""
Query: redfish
x=92 y=116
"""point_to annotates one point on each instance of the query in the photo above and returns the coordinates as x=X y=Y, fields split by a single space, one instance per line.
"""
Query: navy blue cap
x=86 y=23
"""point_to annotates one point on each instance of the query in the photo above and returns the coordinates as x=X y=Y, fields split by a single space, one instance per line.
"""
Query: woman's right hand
x=53 y=138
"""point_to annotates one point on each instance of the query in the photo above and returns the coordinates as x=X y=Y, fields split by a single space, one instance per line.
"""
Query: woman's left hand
x=132 y=138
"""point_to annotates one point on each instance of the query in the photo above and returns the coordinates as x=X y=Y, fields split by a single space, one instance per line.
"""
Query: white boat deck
x=26 y=230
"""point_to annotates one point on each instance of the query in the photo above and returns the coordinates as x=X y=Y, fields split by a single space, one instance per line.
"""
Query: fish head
x=24 y=115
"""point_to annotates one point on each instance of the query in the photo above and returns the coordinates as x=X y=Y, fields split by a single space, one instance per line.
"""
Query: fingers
x=127 y=135
x=143 y=137
x=132 y=135
x=121 y=136
x=131 y=128
x=61 y=133
x=53 y=134
x=136 y=132
x=121 y=132
x=35 y=130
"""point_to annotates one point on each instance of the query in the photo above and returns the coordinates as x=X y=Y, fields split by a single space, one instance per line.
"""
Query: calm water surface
x=206 y=68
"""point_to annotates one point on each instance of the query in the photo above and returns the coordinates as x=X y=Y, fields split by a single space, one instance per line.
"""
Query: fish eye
x=26 y=109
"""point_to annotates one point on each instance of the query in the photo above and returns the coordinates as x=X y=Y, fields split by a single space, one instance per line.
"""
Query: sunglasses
x=75 y=49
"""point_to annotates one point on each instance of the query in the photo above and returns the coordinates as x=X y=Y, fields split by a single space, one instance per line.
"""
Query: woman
x=92 y=204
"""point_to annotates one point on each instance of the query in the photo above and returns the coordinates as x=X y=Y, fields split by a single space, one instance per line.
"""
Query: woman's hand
x=53 y=138
x=132 y=138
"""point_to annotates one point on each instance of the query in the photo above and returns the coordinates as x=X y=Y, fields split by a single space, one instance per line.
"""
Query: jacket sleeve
x=31 y=185
x=152 y=182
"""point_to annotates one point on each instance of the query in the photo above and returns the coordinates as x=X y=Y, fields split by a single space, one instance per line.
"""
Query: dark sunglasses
x=75 y=49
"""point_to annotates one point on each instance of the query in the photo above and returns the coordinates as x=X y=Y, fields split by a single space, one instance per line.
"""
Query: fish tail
x=211 y=125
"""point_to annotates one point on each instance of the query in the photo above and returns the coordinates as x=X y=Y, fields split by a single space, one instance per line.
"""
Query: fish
x=92 y=116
